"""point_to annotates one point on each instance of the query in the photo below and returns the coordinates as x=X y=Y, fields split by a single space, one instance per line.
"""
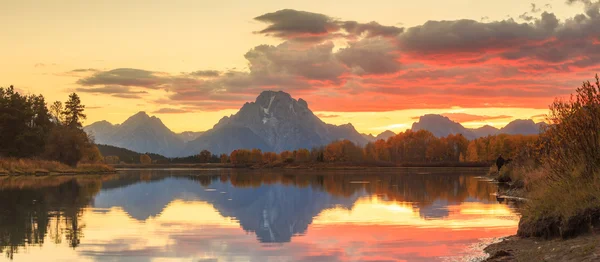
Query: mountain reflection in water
x=231 y=215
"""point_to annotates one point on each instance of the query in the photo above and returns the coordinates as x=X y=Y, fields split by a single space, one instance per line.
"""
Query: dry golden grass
x=35 y=166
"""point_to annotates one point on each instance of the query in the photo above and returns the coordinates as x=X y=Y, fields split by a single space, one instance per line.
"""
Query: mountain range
x=273 y=122
x=442 y=126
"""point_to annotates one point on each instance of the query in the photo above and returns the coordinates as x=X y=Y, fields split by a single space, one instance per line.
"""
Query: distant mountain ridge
x=442 y=126
x=274 y=122
x=382 y=136
x=139 y=133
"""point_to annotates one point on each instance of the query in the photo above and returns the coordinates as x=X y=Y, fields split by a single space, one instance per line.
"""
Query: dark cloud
x=305 y=26
x=124 y=77
x=370 y=56
x=84 y=70
x=170 y=111
x=371 y=29
x=109 y=90
x=292 y=24
x=534 y=8
x=466 y=36
x=316 y=62
x=206 y=73
x=128 y=96
x=525 y=16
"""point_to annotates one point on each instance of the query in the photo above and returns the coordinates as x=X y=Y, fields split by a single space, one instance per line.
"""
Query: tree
x=573 y=141
x=145 y=159
x=256 y=156
x=73 y=112
x=56 y=110
x=302 y=155
x=224 y=158
x=269 y=157
x=205 y=156
x=112 y=160
x=24 y=124
x=67 y=145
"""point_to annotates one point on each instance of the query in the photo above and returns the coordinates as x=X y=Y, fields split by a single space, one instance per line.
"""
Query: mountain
x=523 y=127
x=442 y=126
x=189 y=135
x=484 y=131
x=383 y=136
x=369 y=137
x=274 y=122
x=139 y=133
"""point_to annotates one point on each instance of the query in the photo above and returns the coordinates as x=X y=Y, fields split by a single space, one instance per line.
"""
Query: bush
x=563 y=178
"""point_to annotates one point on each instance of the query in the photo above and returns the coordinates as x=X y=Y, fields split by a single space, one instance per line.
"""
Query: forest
x=406 y=148
x=34 y=137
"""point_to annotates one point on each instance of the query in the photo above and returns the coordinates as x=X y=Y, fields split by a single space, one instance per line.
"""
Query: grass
x=565 y=207
x=14 y=166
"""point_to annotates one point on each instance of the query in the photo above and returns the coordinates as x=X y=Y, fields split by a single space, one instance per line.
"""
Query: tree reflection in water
x=33 y=208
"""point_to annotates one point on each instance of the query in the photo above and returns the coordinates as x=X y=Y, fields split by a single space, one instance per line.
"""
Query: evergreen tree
x=73 y=111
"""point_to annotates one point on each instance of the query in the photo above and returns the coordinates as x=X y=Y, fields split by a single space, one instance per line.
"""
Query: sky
x=376 y=64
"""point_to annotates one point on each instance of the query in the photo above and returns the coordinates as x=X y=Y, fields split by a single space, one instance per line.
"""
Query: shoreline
x=515 y=248
x=52 y=173
x=38 y=167
x=315 y=166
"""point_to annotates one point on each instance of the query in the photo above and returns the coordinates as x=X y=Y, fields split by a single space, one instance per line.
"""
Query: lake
x=412 y=214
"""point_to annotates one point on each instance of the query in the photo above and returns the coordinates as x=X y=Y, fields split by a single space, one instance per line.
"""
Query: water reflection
x=382 y=214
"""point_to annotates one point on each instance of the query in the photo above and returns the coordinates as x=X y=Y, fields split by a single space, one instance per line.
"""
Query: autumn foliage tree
x=205 y=156
x=145 y=159
x=573 y=141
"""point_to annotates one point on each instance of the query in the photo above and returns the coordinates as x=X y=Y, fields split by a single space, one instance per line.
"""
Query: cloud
x=206 y=73
x=114 y=90
x=110 y=90
x=327 y=116
x=370 y=56
x=124 y=77
x=41 y=65
x=305 y=26
x=300 y=25
x=128 y=96
x=84 y=70
x=170 y=111
x=348 y=66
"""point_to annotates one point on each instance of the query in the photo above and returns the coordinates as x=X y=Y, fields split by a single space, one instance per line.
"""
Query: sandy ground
x=583 y=248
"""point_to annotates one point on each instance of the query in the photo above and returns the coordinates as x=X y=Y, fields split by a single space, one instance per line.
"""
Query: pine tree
x=73 y=111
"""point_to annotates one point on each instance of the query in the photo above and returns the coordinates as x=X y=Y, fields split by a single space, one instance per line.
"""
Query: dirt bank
x=514 y=248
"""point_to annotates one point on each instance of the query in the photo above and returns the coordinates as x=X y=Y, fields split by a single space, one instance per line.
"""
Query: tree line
x=29 y=129
x=409 y=147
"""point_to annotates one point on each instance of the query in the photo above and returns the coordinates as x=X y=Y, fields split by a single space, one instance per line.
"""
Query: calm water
x=234 y=215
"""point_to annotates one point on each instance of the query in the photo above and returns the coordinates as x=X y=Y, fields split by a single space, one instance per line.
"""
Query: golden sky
x=192 y=62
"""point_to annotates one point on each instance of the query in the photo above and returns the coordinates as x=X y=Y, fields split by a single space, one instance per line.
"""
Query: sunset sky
x=376 y=64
